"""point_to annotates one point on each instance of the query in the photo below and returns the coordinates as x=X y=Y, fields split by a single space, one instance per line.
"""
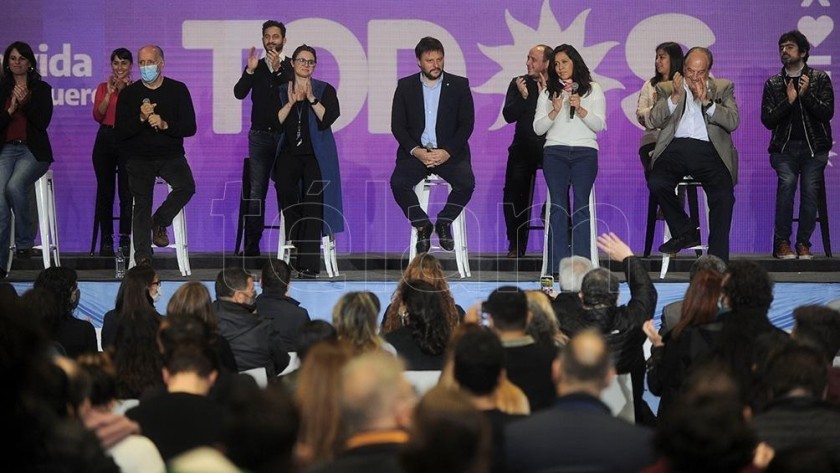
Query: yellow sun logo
x=549 y=31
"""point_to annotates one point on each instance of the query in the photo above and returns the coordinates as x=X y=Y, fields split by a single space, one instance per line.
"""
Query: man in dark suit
x=432 y=118
x=697 y=116
x=578 y=433
x=274 y=304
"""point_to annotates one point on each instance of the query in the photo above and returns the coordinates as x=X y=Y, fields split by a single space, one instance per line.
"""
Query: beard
x=428 y=75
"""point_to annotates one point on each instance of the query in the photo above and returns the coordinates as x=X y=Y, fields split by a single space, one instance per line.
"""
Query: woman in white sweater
x=570 y=112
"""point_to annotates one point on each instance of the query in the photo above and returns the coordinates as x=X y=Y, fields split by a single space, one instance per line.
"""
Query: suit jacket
x=455 y=119
x=719 y=126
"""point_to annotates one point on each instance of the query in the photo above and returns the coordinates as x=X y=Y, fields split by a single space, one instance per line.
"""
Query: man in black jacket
x=284 y=313
x=620 y=325
x=249 y=336
x=263 y=78
x=797 y=105
x=526 y=152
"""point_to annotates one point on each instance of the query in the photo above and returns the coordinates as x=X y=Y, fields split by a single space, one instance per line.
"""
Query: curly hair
x=137 y=359
x=61 y=281
x=354 y=318
x=429 y=328
x=427 y=268
x=747 y=286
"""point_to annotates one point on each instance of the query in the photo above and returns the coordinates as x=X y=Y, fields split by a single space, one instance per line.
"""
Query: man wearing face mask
x=263 y=78
x=697 y=116
x=247 y=334
x=153 y=117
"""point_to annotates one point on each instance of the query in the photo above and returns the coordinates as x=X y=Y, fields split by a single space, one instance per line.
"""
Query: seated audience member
x=507 y=397
x=572 y=270
x=192 y=301
x=7 y=291
x=183 y=417
x=140 y=288
x=479 y=370
x=261 y=430
x=747 y=294
x=132 y=452
x=316 y=397
x=820 y=326
x=621 y=325
x=75 y=335
x=578 y=432
x=376 y=403
x=528 y=364
x=247 y=334
x=707 y=433
x=274 y=304
x=46 y=310
x=695 y=338
x=136 y=353
x=310 y=334
x=543 y=327
x=802 y=459
x=796 y=378
x=354 y=318
x=673 y=312
x=448 y=434
x=425 y=267
x=421 y=342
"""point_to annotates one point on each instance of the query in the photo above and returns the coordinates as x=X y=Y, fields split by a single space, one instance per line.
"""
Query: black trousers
x=687 y=156
x=408 y=172
x=141 y=179
x=301 y=192
x=106 y=162
x=523 y=161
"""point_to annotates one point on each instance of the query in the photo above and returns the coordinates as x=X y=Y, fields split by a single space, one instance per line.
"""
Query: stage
x=816 y=281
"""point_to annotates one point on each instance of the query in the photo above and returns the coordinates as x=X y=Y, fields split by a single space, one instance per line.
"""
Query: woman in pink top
x=106 y=159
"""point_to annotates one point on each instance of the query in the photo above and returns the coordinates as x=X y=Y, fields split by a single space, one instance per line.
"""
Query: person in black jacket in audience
x=140 y=288
x=75 y=335
x=621 y=325
x=422 y=342
x=275 y=305
x=249 y=337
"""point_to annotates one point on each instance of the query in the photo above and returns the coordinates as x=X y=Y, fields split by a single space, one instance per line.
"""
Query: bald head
x=375 y=394
x=537 y=61
x=584 y=364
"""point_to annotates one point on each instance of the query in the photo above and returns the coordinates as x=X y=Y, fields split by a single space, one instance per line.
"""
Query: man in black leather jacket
x=797 y=105
x=620 y=325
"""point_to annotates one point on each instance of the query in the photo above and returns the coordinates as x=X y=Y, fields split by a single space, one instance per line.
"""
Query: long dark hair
x=675 y=54
x=134 y=290
x=426 y=320
x=7 y=83
x=581 y=73
x=61 y=282
x=701 y=298
x=137 y=357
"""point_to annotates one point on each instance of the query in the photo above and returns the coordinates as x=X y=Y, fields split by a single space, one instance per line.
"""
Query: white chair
x=284 y=249
x=619 y=397
x=259 y=375
x=593 y=236
x=422 y=381
x=179 y=228
x=47 y=224
x=459 y=226
x=666 y=257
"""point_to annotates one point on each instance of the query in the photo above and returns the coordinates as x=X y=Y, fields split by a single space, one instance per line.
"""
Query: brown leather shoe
x=783 y=250
x=803 y=251
x=159 y=237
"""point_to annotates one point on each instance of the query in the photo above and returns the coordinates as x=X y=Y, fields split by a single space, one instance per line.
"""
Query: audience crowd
x=519 y=382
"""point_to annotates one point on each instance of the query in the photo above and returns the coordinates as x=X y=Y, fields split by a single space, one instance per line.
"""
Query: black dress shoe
x=444 y=232
x=159 y=236
x=27 y=253
x=307 y=274
x=424 y=238
x=686 y=240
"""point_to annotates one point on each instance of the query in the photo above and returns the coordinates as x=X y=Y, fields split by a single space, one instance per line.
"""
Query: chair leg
x=53 y=221
x=822 y=211
x=43 y=219
x=546 y=237
x=651 y=224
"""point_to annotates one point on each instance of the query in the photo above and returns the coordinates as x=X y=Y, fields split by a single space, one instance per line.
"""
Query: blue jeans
x=796 y=162
x=262 y=154
x=18 y=172
x=578 y=166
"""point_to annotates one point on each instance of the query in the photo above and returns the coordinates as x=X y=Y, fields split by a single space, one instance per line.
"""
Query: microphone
x=145 y=101
x=571 y=108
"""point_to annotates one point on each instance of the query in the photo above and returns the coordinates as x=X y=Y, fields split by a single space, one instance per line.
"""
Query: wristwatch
x=314 y=102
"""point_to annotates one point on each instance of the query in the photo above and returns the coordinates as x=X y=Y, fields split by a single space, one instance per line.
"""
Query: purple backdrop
x=363 y=48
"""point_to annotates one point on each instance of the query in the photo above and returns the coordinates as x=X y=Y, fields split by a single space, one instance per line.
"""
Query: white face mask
x=156 y=297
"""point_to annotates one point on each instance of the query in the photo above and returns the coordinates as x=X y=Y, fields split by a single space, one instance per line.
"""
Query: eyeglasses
x=157 y=283
x=308 y=62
